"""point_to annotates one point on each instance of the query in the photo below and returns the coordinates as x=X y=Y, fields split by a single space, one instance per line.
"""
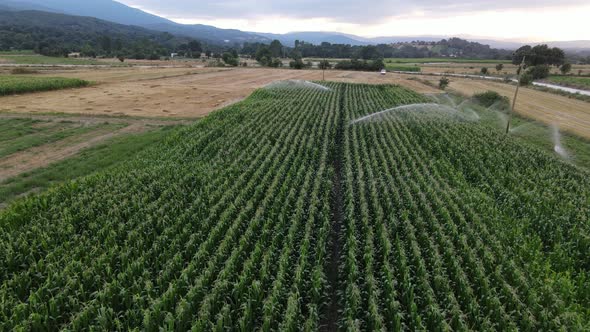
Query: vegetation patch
x=23 y=84
x=36 y=59
x=23 y=71
x=391 y=67
x=490 y=98
x=360 y=65
x=580 y=82
x=443 y=60
x=89 y=161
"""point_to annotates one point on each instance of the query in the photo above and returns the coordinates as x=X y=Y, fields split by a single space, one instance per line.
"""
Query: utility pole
x=520 y=68
x=324 y=69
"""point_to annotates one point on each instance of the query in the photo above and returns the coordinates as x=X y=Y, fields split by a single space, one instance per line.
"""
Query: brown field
x=172 y=92
x=195 y=92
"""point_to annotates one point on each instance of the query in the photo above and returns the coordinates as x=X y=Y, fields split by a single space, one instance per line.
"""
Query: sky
x=525 y=20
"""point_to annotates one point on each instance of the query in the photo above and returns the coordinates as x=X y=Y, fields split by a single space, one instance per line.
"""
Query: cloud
x=346 y=11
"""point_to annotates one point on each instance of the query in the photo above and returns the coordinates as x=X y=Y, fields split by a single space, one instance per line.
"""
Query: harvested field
x=173 y=92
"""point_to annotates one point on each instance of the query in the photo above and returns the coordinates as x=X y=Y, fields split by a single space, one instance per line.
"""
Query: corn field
x=23 y=84
x=281 y=213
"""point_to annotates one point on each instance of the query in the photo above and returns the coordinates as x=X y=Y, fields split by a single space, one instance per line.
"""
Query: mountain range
x=119 y=13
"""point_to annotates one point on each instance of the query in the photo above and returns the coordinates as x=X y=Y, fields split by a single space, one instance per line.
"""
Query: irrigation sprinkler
x=515 y=94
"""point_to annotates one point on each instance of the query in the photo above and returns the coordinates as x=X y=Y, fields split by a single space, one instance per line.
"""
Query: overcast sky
x=525 y=20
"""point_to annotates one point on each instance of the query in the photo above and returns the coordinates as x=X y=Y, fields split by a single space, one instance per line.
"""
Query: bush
x=230 y=59
x=275 y=63
x=415 y=69
x=539 y=72
x=490 y=98
x=364 y=65
x=443 y=83
x=297 y=64
x=526 y=79
x=324 y=64
x=484 y=71
x=22 y=71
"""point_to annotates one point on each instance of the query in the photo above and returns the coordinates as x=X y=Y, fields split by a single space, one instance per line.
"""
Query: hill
x=119 y=13
x=57 y=34
x=316 y=37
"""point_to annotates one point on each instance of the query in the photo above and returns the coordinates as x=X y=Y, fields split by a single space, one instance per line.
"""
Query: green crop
x=234 y=223
x=23 y=84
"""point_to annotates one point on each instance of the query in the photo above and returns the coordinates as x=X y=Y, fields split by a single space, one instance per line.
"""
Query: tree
x=565 y=68
x=88 y=51
x=539 y=72
x=105 y=43
x=208 y=54
x=499 y=67
x=324 y=64
x=484 y=70
x=276 y=49
x=263 y=55
x=297 y=64
x=230 y=59
x=370 y=53
x=194 y=48
x=443 y=83
x=539 y=55
x=275 y=63
x=526 y=79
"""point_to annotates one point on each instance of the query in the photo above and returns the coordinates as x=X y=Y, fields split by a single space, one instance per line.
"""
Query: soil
x=171 y=92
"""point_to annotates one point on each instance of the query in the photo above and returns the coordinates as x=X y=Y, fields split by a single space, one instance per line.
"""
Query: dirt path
x=44 y=155
x=330 y=319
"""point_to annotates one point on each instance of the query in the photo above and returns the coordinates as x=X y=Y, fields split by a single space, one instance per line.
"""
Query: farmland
x=395 y=67
x=287 y=212
x=36 y=59
x=23 y=84
x=37 y=152
x=573 y=81
x=443 y=60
